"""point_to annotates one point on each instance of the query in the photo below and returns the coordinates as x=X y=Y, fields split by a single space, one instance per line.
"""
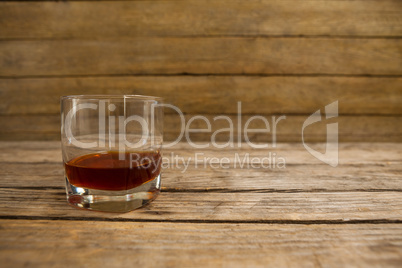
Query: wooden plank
x=229 y=55
x=214 y=94
x=362 y=167
x=32 y=136
x=96 y=244
x=351 y=128
x=222 y=207
x=199 y=18
x=369 y=166
x=180 y=178
x=20 y=152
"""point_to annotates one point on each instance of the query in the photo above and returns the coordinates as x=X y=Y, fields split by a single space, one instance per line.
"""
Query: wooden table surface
x=307 y=214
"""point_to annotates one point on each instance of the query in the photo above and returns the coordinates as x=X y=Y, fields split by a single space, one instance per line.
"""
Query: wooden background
x=278 y=57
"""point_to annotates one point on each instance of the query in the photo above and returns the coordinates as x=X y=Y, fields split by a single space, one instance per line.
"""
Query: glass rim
x=113 y=96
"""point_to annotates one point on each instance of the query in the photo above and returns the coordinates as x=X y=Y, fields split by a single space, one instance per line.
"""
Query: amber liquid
x=105 y=171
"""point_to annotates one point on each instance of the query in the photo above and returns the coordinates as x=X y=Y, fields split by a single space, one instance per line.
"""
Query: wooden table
x=305 y=215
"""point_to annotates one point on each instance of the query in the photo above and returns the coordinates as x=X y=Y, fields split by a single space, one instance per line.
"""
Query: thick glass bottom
x=113 y=201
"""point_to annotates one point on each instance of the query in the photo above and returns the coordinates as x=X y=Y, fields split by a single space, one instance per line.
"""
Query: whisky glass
x=112 y=150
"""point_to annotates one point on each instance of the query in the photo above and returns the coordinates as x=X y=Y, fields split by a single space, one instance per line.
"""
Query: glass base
x=113 y=201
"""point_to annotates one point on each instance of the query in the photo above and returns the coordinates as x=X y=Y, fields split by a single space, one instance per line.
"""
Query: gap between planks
x=189 y=74
x=203 y=221
x=270 y=36
x=223 y=190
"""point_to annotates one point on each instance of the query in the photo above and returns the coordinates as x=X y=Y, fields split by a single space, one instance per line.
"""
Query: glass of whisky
x=111 y=147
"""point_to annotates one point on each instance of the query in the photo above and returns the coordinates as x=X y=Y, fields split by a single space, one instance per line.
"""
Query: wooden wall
x=278 y=57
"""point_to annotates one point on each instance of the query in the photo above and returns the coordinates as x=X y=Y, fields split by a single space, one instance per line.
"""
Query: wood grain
x=49 y=152
x=246 y=216
x=52 y=243
x=230 y=55
x=220 y=207
x=38 y=165
x=351 y=128
x=89 y=19
x=214 y=94
x=300 y=178
x=277 y=57
x=363 y=167
x=361 y=188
